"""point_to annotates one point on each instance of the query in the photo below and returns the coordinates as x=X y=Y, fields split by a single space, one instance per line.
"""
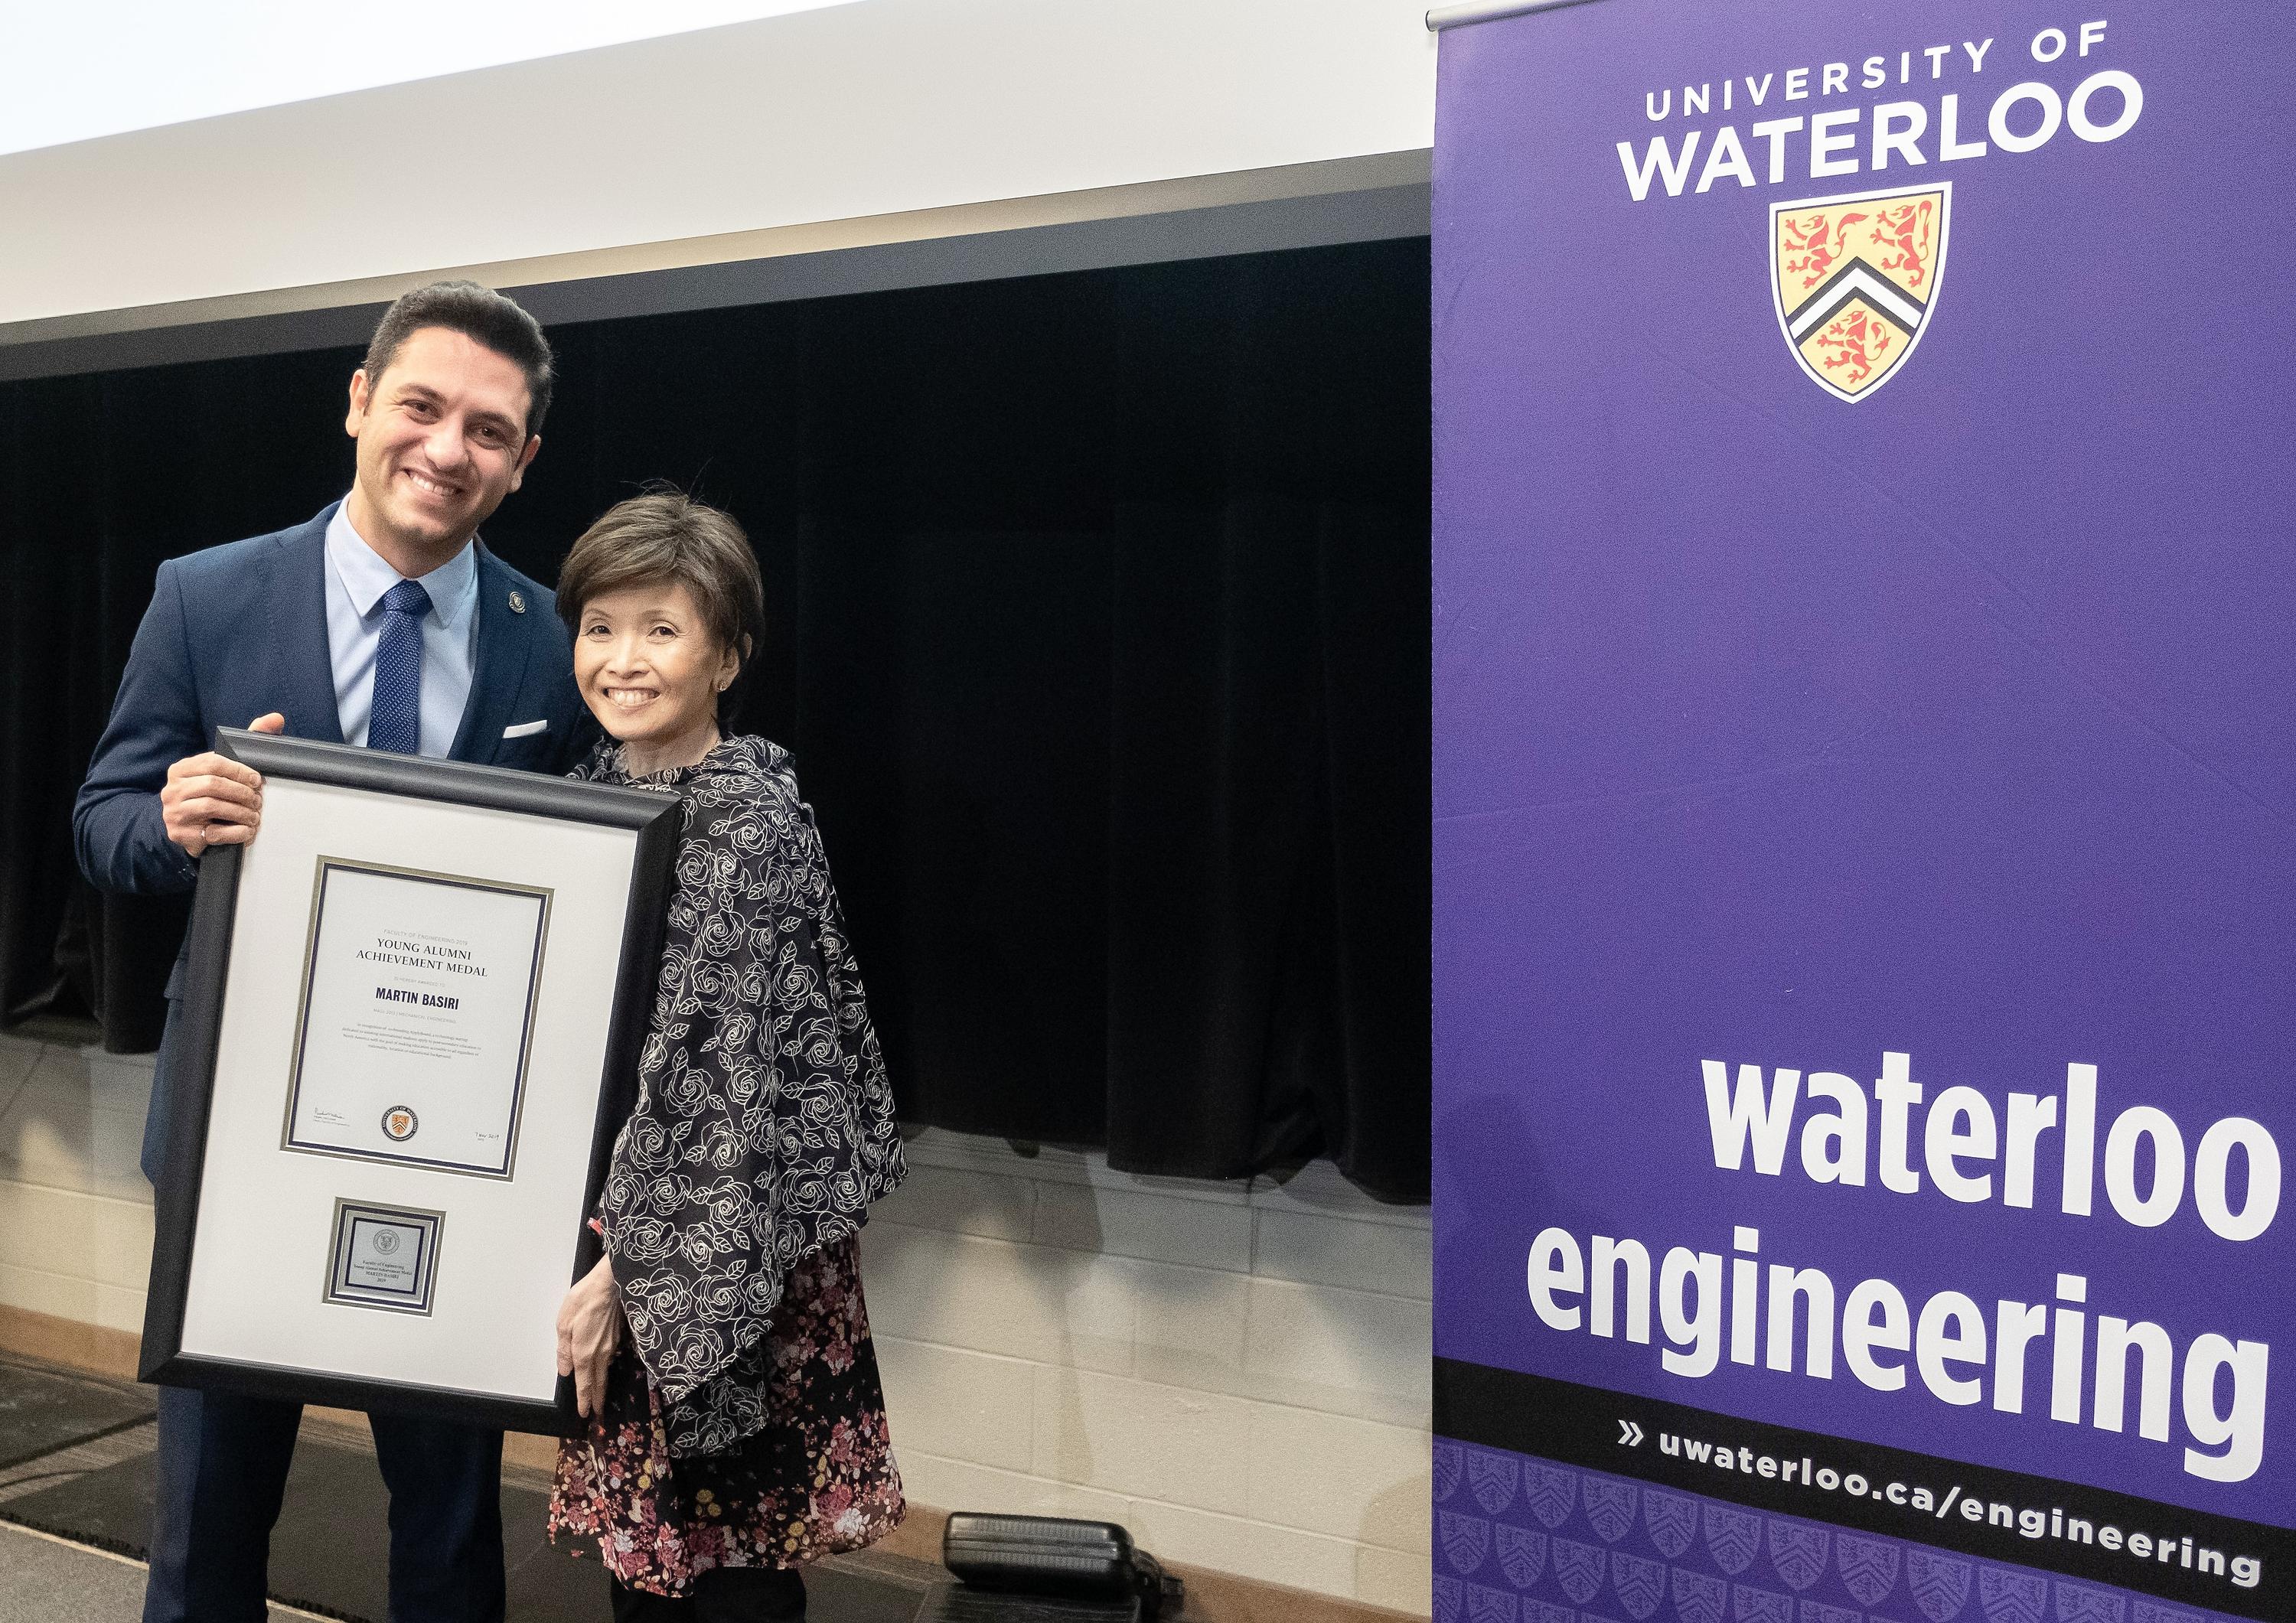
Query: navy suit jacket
x=238 y=630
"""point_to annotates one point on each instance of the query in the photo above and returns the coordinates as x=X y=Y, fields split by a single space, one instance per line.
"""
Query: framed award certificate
x=410 y=1031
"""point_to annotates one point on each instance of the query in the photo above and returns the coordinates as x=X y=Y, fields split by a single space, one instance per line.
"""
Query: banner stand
x=1865 y=902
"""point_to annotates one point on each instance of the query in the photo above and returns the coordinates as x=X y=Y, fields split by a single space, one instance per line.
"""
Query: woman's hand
x=589 y=1329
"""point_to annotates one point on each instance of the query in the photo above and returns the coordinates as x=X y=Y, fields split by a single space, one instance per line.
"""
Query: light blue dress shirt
x=357 y=579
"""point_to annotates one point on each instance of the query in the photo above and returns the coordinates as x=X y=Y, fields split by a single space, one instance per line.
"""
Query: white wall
x=75 y=1211
x=698 y=148
x=1238 y=1373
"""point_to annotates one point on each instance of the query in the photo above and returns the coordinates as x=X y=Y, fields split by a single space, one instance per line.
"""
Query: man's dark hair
x=481 y=314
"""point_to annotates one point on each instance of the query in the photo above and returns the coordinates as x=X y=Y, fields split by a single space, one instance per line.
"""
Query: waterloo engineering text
x=2123 y=1372
x=2167 y=1548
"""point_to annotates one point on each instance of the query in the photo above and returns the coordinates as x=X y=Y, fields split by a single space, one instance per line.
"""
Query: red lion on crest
x=1855 y=341
x=1818 y=240
x=1897 y=239
x=1900 y=237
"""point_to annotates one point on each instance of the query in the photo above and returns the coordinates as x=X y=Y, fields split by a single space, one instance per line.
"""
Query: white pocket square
x=527 y=729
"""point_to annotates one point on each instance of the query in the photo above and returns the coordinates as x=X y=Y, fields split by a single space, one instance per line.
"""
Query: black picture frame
x=656 y=819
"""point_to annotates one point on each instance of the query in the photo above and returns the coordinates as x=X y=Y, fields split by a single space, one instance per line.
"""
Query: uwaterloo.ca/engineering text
x=2029 y=1521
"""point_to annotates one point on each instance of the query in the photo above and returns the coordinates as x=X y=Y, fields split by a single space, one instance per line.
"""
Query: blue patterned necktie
x=394 y=715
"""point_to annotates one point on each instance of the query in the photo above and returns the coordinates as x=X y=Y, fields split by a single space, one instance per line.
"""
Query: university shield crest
x=1610 y=1506
x=2079 y=1604
x=1941 y=1583
x=2012 y=1597
x=1487 y=1605
x=1868 y=1566
x=1749 y=1605
x=1522 y=1554
x=1492 y=1477
x=1466 y=1540
x=1579 y=1568
x=1698 y=1596
x=1798 y=1552
x=1641 y=1584
x=1733 y=1536
x=1854 y=280
x=1673 y=1520
x=1549 y=1490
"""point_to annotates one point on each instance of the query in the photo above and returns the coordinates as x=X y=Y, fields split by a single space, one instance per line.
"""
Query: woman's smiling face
x=650 y=672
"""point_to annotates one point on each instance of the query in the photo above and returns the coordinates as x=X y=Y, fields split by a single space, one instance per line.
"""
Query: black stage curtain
x=1100 y=618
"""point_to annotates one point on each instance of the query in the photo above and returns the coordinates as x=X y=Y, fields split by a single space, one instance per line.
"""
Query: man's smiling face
x=442 y=438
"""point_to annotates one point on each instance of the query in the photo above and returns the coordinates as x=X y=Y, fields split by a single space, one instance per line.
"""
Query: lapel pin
x=518 y=602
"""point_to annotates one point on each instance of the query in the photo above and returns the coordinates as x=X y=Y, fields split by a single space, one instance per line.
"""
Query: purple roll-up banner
x=1864 y=813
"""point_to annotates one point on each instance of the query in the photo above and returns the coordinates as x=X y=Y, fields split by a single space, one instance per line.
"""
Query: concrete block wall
x=1237 y=1372
x=75 y=1211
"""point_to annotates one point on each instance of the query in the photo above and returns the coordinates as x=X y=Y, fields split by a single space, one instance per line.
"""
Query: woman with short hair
x=739 y=1431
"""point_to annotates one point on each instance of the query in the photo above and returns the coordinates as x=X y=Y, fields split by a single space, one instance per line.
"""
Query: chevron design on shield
x=1698 y=1596
x=1854 y=280
x=1868 y=1566
x=1550 y=1490
x=2012 y=1597
x=1487 y=1605
x=1522 y=1554
x=1450 y=1597
x=1798 y=1551
x=1610 y=1506
x=1491 y=1478
x=2080 y=1603
x=1941 y=1583
x=1733 y=1536
x=1749 y=1605
x=1579 y=1568
x=1673 y=1520
x=1466 y=1540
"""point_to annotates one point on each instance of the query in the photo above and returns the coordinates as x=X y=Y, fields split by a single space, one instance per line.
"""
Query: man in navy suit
x=385 y=622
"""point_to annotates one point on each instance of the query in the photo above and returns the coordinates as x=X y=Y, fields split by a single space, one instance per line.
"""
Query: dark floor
x=76 y=1462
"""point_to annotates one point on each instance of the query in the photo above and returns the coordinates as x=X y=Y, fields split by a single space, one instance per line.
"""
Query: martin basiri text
x=2122 y=1373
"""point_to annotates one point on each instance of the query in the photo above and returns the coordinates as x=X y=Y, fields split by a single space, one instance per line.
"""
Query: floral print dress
x=818 y=1479
x=743 y=1422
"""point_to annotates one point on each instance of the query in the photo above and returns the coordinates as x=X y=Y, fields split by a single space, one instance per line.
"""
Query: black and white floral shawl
x=764 y=1125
